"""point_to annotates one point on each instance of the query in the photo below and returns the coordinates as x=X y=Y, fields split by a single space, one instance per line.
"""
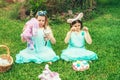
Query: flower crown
x=42 y=13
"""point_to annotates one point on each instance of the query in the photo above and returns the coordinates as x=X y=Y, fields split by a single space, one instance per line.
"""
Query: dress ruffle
x=76 y=49
x=40 y=53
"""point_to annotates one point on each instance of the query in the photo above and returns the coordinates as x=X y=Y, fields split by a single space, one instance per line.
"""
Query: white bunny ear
x=69 y=20
x=79 y=17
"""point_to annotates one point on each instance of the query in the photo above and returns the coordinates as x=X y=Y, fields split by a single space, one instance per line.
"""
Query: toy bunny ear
x=46 y=66
x=80 y=15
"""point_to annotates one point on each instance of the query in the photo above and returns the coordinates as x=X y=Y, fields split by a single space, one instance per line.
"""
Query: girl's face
x=77 y=26
x=41 y=20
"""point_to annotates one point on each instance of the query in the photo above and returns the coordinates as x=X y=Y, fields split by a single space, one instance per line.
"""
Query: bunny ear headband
x=80 y=15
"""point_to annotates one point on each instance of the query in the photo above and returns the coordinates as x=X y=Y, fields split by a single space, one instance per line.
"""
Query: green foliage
x=58 y=6
x=104 y=30
x=15 y=11
x=109 y=2
x=36 y=5
x=2 y=3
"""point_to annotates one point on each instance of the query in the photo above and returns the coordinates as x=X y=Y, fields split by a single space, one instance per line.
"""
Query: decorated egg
x=80 y=65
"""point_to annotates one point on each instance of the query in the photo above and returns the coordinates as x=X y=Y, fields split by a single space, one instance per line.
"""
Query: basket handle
x=8 y=51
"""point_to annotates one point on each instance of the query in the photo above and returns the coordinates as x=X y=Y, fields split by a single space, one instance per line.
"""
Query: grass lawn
x=104 y=29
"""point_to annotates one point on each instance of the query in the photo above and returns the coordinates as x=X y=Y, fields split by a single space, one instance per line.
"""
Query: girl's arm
x=67 y=38
x=50 y=36
x=87 y=36
x=52 y=39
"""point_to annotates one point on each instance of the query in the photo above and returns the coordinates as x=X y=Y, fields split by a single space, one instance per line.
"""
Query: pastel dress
x=76 y=49
x=40 y=53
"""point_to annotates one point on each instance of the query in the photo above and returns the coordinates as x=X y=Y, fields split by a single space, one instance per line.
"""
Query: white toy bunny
x=47 y=74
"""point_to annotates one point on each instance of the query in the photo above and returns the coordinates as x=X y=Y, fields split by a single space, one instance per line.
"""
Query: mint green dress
x=40 y=53
x=76 y=49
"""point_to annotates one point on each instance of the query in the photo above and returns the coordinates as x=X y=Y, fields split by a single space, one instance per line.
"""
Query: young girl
x=76 y=38
x=39 y=37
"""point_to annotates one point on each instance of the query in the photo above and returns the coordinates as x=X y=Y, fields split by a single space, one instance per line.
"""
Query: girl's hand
x=50 y=37
x=47 y=33
x=23 y=40
x=47 y=36
x=73 y=29
x=85 y=28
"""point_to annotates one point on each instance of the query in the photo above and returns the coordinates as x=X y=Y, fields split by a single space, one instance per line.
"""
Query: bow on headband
x=80 y=15
x=41 y=13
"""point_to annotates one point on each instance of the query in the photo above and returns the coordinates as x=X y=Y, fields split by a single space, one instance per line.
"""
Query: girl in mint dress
x=76 y=38
x=39 y=37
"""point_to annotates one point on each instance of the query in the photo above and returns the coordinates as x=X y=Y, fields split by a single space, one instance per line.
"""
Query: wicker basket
x=4 y=68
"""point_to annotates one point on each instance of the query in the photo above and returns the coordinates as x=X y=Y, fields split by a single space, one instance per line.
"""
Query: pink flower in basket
x=47 y=74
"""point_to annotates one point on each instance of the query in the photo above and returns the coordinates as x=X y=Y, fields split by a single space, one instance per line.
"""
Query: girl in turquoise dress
x=39 y=37
x=76 y=38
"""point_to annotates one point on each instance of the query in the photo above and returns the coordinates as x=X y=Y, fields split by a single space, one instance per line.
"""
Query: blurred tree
x=58 y=6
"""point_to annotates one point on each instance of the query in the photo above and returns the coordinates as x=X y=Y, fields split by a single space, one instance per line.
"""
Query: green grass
x=104 y=29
